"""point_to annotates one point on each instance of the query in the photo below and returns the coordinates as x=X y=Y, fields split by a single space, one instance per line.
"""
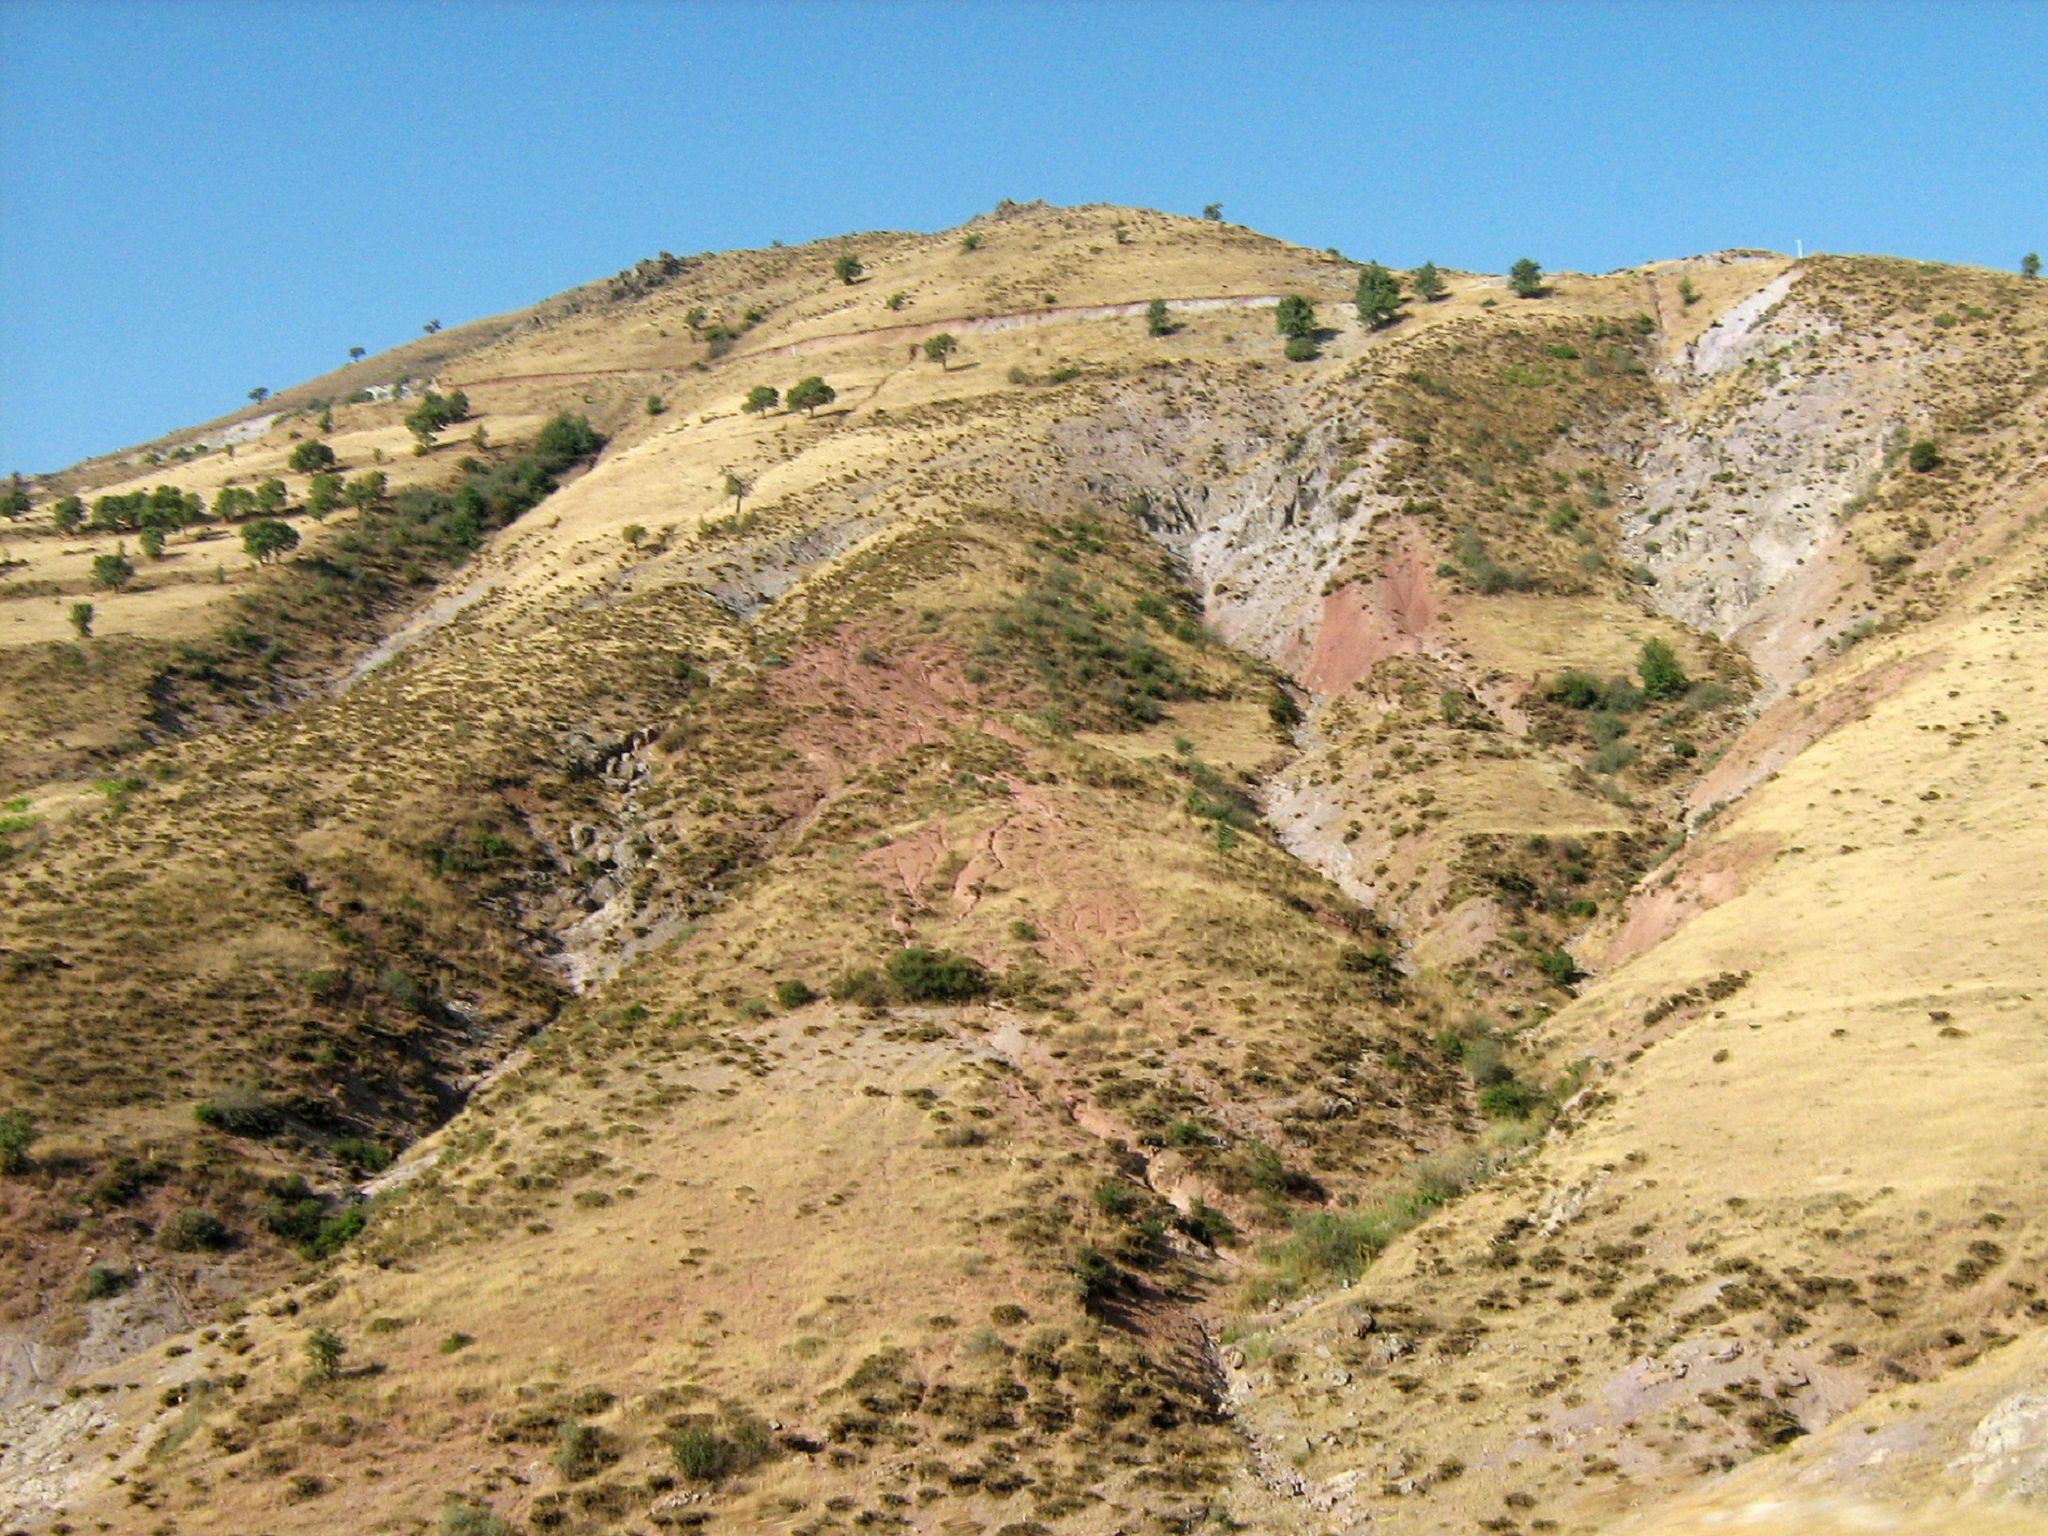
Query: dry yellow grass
x=591 y=800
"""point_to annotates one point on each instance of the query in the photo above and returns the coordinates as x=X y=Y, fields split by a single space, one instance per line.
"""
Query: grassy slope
x=693 y=806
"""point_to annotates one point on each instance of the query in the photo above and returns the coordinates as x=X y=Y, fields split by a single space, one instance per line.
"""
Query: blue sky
x=196 y=198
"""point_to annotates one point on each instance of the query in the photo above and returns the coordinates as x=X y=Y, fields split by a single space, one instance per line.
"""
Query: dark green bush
x=1574 y=689
x=793 y=994
x=1658 y=667
x=1509 y=1100
x=17 y=1135
x=705 y=1451
x=190 y=1231
x=863 y=987
x=1923 y=456
x=102 y=1281
x=937 y=976
x=1096 y=1279
x=463 y=1519
x=240 y=1114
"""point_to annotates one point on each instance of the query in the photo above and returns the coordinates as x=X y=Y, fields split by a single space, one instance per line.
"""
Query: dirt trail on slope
x=1019 y=320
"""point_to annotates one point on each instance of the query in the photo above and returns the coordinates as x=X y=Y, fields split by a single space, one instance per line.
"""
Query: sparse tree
x=970 y=243
x=323 y=495
x=898 y=299
x=1213 y=212
x=1658 y=667
x=309 y=456
x=1687 y=294
x=365 y=491
x=737 y=486
x=17 y=1135
x=1526 y=279
x=2030 y=264
x=1379 y=295
x=655 y=406
x=265 y=538
x=68 y=513
x=14 y=501
x=324 y=1349
x=1122 y=233
x=1295 y=316
x=113 y=571
x=152 y=542
x=355 y=354
x=431 y=326
x=634 y=535
x=1923 y=456
x=232 y=502
x=259 y=394
x=1156 y=321
x=81 y=619
x=847 y=269
x=432 y=414
x=1427 y=283
x=940 y=348
x=807 y=395
x=695 y=320
x=762 y=397
x=271 y=496
x=1300 y=349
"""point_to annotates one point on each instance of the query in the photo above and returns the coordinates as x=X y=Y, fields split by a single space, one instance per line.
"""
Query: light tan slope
x=1810 y=1169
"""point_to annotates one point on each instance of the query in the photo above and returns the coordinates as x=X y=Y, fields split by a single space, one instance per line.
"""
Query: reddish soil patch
x=1700 y=881
x=1792 y=725
x=1363 y=625
x=855 y=714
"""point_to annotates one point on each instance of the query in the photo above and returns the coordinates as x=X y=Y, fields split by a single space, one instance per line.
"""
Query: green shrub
x=324 y=1349
x=1115 y=1198
x=311 y=455
x=1559 y=966
x=193 y=1231
x=1509 y=1100
x=1300 y=349
x=101 y=1282
x=706 y=1452
x=793 y=994
x=1923 y=456
x=1096 y=1279
x=1205 y=1224
x=17 y=1135
x=463 y=1519
x=240 y=1113
x=863 y=987
x=1658 y=667
x=937 y=976
x=580 y=1450
x=112 y=571
x=362 y=1154
x=1574 y=689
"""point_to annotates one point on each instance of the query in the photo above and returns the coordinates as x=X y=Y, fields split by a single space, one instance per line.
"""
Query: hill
x=1108 y=929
